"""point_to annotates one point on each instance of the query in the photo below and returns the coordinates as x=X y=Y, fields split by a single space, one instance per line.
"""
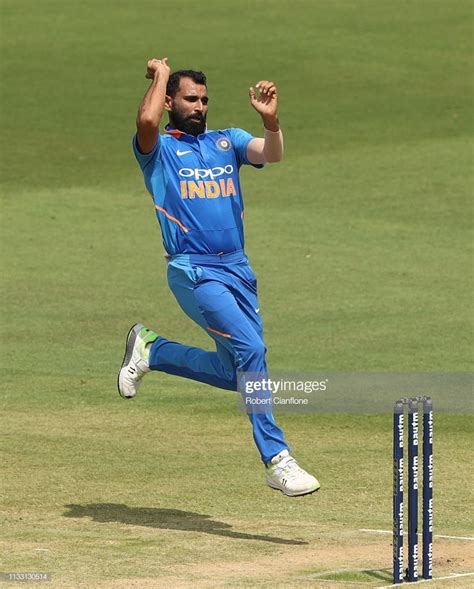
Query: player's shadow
x=165 y=519
x=379 y=574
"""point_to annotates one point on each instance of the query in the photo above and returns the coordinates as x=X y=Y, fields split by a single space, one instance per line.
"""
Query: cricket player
x=192 y=174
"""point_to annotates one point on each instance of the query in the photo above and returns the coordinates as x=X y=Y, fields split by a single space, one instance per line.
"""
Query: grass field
x=362 y=242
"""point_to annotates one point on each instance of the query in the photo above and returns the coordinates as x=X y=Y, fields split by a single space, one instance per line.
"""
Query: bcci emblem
x=223 y=144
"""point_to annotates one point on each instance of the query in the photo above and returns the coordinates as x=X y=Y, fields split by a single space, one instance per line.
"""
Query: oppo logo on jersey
x=199 y=173
x=207 y=188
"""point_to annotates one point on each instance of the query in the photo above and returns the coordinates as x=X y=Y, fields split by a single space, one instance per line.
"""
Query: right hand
x=157 y=67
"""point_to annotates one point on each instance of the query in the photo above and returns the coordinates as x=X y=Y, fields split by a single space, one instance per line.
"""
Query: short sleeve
x=240 y=139
x=145 y=159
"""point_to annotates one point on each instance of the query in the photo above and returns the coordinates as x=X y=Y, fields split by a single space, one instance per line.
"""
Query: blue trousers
x=219 y=293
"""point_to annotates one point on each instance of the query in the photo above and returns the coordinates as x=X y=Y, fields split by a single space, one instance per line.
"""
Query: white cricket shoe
x=135 y=361
x=284 y=474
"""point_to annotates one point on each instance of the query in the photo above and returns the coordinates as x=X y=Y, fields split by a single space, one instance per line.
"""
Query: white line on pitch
x=449 y=577
x=454 y=537
x=471 y=538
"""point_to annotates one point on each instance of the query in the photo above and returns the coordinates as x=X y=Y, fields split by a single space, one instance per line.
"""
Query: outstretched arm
x=152 y=106
x=270 y=147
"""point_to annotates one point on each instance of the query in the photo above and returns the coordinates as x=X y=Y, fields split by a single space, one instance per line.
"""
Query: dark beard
x=186 y=125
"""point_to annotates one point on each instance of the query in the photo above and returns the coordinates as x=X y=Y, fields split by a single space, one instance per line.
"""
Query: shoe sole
x=129 y=345
x=294 y=494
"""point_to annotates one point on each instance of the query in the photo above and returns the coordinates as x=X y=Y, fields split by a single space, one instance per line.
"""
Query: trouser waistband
x=219 y=259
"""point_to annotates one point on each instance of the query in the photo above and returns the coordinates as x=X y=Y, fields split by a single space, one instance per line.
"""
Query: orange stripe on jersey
x=219 y=332
x=185 y=229
x=176 y=133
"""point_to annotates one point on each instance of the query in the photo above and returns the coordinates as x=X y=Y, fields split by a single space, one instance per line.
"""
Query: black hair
x=174 y=80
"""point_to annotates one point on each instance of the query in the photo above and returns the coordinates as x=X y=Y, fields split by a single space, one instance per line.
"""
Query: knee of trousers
x=251 y=355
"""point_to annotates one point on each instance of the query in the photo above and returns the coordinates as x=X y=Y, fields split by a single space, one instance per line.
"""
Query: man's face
x=188 y=109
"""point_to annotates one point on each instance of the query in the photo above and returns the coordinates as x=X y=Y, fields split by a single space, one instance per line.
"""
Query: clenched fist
x=157 y=67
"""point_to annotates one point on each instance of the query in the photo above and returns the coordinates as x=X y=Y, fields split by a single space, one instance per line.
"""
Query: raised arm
x=268 y=149
x=152 y=106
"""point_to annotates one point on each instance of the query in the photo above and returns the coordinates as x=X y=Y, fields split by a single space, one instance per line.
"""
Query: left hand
x=266 y=103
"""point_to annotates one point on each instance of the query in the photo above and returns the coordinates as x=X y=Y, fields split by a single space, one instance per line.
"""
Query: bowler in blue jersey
x=192 y=175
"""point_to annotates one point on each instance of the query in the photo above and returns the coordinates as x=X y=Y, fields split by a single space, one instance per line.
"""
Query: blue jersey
x=194 y=183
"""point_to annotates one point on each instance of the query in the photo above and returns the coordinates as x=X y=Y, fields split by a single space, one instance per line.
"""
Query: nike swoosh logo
x=257 y=309
x=179 y=152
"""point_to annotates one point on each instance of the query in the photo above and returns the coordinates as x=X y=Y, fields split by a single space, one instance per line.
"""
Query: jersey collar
x=177 y=134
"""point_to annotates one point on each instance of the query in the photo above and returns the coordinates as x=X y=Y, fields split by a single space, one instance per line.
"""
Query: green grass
x=361 y=240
